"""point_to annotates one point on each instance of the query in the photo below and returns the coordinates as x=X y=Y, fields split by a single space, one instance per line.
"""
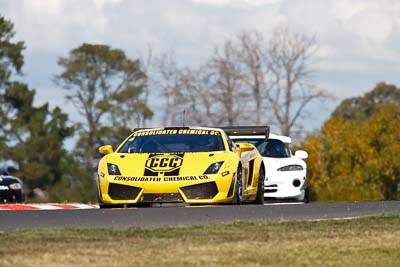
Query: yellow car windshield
x=173 y=143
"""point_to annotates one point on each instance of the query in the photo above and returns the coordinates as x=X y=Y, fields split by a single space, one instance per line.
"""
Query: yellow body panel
x=167 y=174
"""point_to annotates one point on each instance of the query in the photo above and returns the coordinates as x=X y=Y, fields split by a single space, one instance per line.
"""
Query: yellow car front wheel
x=238 y=195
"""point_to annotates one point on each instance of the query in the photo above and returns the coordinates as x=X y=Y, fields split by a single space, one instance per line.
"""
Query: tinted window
x=3 y=171
x=173 y=143
x=272 y=148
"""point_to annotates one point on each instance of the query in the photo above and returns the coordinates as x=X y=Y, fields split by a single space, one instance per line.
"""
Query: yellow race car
x=194 y=165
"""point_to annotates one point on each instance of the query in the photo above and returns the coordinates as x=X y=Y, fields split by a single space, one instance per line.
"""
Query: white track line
x=283 y=203
x=47 y=206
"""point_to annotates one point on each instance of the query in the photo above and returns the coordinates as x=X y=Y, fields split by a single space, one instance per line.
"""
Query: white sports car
x=285 y=173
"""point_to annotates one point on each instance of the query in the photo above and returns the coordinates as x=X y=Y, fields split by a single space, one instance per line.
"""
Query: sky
x=358 y=40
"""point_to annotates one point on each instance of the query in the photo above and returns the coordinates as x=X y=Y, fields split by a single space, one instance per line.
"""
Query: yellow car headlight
x=214 y=168
x=113 y=169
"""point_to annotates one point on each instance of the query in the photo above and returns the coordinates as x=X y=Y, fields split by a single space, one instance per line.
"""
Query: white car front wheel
x=304 y=196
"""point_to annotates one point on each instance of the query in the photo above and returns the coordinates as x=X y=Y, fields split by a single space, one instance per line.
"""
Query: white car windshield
x=272 y=148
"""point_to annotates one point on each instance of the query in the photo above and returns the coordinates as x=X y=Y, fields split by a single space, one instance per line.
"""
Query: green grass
x=368 y=241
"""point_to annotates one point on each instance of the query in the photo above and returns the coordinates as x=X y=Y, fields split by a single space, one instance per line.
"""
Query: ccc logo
x=163 y=163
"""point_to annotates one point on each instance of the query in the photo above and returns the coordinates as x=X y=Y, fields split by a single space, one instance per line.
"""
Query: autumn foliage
x=355 y=156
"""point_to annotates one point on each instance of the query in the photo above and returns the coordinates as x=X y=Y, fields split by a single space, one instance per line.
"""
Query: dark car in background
x=11 y=188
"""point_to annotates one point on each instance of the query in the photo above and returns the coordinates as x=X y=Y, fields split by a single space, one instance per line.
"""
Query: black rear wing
x=247 y=130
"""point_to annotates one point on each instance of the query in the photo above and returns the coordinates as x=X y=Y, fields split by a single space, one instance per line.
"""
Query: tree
x=251 y=55
x=209 y=95
x=225 y=82
x=199 y=98
x=106 y=87
x=364 y=107
x=11 y=58
x=34 y=138
x=170 y=81
x=291 y=87
x=11 y=61
x=247 y=80
x=354 y=155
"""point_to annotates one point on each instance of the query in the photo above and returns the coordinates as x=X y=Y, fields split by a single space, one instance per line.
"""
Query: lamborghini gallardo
x=191 y=165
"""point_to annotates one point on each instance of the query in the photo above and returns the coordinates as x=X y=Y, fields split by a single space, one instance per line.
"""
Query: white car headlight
x=291 y=168
x=15 y=186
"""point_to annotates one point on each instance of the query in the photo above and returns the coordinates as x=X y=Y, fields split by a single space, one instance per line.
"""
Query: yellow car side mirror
x=243 y=147
x=106 y=149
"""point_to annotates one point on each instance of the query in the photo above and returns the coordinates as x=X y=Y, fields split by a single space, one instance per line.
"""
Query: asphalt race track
x=180 y=215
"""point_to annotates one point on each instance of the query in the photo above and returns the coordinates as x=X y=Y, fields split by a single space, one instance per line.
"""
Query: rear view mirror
x=12 y=169
x=107 y=149
x=301 y=154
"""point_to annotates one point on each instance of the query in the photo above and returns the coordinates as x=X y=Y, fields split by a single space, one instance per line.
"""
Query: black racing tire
x=99 y=200
x=101 y=204
x=306 y=196
x=123 y=206
x=260 y=188
x=106 y=206
x=142 y=205
x=238 y=195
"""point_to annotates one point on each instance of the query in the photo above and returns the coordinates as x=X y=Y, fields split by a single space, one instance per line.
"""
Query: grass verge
x=369 y=241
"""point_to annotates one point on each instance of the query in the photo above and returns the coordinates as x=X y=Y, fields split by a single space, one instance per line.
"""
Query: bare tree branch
x=289 y=57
